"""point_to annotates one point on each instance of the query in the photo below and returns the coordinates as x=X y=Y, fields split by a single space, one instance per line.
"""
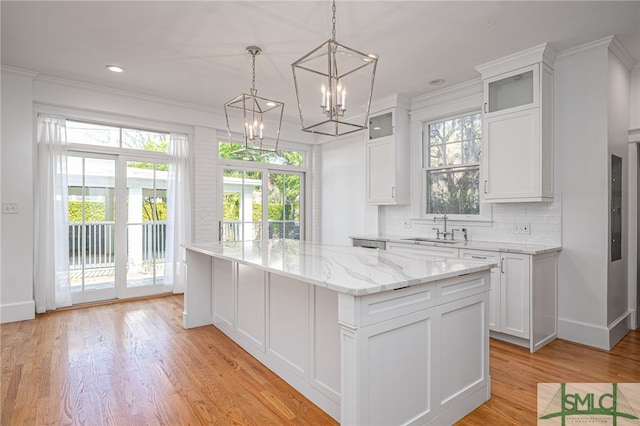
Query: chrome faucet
x=444 y=233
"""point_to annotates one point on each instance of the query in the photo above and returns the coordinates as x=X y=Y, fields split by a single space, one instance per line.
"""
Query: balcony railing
x=92 y=244
x=233 y=230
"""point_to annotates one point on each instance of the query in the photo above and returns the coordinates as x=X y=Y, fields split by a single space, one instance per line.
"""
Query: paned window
x=451 y=164
x=262 y=194
x=79 y=132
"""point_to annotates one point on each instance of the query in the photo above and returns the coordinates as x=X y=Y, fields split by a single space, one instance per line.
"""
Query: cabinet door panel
x=515 y=294
x=381 y=171
x=512 y=155
x=494 y=293
x=223 y=293
x=250 y=301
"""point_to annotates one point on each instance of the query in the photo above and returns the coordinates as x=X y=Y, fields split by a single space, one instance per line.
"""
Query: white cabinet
x=514 y=294
x=494 y=292
x=517 y=164
x=388 y=157
x=509 y=294
x=523 y=296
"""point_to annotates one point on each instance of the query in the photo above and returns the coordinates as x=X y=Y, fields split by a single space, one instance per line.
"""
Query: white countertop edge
x=504 y=247
x=474 y=266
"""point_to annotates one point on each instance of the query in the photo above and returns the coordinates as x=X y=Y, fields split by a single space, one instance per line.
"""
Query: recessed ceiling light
x=437 y=82
x=271 y=104
x=115 y=68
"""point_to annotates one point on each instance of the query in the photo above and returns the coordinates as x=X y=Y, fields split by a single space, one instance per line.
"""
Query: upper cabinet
x=388 y=153
x=517 y=137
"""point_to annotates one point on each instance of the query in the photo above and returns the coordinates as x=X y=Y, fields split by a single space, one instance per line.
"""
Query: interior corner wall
x=343 y=205
x=634 y=101
x=618 y=141
x=16 y=292
x=581 y=170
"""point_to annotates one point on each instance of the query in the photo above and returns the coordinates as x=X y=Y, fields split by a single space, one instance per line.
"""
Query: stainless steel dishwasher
x=374 y=244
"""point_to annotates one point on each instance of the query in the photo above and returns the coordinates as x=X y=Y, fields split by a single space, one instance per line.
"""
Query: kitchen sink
x=430 y=240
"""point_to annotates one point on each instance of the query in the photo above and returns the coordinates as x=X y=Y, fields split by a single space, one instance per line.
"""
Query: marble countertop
x=351 y=270
x=472 y=245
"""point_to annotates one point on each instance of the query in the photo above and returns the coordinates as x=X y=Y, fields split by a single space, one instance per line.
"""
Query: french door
x=117 y=226
x=261 y=204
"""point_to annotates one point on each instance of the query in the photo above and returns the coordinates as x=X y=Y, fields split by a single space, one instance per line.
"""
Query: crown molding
x=129 y=94
x=391 y=101
x=19 y=71
x=611 y=43
x=448 y=95
x=603 y=42
x=621 y=53
x=541 y=53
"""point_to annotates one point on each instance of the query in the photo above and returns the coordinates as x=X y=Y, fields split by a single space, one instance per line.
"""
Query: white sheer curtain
x=178 y=213
x=51 y=270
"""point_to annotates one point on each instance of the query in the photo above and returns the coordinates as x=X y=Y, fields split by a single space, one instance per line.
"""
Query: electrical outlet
x=9 y=208
x=522 y=228
x=407 y=223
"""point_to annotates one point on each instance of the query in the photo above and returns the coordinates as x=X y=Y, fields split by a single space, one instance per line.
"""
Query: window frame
x=484 y=214
x=266 y=168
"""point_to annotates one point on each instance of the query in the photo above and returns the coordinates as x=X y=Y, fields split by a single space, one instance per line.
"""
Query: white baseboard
x=594 y=335
x=618 y=329
x=21 y=311
x=581 y=332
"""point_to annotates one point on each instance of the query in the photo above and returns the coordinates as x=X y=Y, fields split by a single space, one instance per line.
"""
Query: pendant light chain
x=333 y=21
x=253 y=75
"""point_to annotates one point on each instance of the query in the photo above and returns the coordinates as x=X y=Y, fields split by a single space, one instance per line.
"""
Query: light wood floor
x=133 y=364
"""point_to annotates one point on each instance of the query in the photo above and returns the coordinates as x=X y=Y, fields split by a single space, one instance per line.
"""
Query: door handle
x=502 y=265
x=485 y=108
x=393 y=192
x=485 y=186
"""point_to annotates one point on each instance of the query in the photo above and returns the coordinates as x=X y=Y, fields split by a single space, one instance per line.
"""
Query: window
x=262 y=195
x=232 y=151
x=451 y=163
x=79 y=132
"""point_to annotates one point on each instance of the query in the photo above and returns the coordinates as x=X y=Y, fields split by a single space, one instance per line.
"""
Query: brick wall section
x=204 y=175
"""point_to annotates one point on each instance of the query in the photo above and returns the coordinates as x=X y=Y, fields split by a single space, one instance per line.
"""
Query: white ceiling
x=193 y=52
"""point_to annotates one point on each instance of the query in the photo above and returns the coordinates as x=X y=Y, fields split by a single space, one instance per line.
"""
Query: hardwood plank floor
x=133 y=364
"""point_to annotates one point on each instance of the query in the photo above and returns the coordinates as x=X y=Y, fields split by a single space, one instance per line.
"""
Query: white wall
x=343 y=207
x=634 y=101
x=591 y=107
x=16 y=293
x=618 y=141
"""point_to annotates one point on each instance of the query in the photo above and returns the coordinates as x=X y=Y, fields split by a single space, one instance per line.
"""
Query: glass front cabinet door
x=512 y=91
x=517 y=128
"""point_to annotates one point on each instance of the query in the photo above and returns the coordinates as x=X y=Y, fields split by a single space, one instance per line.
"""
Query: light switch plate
x=9 y=208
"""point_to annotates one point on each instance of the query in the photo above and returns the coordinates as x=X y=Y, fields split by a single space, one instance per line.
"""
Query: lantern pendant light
x=260 y=118
x=330 y=74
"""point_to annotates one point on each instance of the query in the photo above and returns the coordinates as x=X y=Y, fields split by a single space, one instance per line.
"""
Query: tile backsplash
x=543 y=219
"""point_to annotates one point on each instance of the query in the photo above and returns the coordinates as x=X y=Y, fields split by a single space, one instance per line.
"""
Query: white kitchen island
x=371 y=337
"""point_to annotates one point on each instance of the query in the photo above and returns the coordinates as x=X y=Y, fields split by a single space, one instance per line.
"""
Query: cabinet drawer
x=489 y=256
x=435 y=251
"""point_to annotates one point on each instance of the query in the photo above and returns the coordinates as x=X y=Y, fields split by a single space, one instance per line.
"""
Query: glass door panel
x=284 y=205
x=241 y=205
x=146 y=226
x=92 y=236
